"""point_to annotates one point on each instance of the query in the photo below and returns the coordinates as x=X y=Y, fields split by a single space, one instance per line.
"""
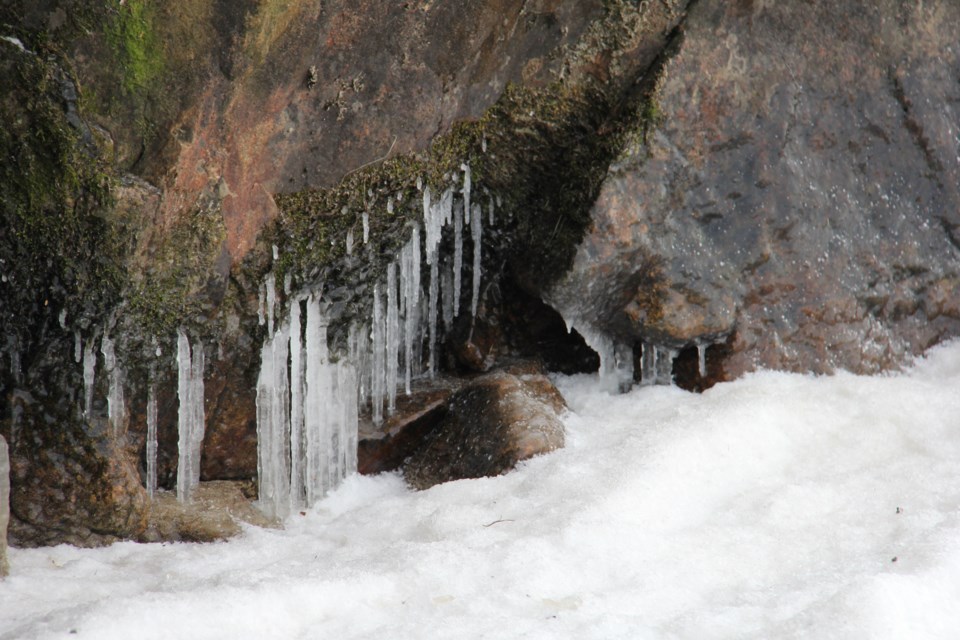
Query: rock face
x=4 y=505
x=799 y=196
x=777 y=180
x=491 y=425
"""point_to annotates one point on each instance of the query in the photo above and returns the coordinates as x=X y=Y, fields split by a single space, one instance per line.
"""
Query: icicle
x=276 y=252
x=476 y=231
x=411 y=303
x=14 y=350
x=446 y=208
x=366 y=227
x=378 y=374
x=446 y=294
x=63 y=318
x=431 y=232
x=393 y=337
x=665 y=365
x=152 y=438
x=77 y=347
x=89 y=371
x=702 y=360
x=271 y=289
x=420 y=183
x=349 y=242
x=648 y=365
x=116 y=411
x=457 y=256
x=491 y=212
x=262 y=307
x=287 y=283
x=432 y=316
x=315 y=420
x=297 y=382
x=467 y=186
x=190 y=364
x=390 y=205
x=483 y=144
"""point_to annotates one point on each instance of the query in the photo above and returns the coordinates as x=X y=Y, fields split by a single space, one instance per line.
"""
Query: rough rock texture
x=800 y=194
x=780 y=178
x=216 y=513
x=491 y=425
x=4 y=505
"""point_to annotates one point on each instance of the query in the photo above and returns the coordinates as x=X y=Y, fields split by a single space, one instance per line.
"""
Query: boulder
x=496 y=421
x=217 y=512
x=798 y=194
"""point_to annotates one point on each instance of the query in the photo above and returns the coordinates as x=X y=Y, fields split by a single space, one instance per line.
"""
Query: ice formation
x=308 y=402
x=702 y=359
x=116 y=411
x=151 y=439
x=89 y=371
x=190 y=424
x=307 y=413
x=476 y=232
x=656 y=364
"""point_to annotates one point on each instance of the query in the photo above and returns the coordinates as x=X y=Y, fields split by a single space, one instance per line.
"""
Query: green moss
x=136 y=45
x=59 y=248
x=173 y=288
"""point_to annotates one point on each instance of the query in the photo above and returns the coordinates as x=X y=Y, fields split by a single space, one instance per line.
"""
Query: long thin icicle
x=152 y=438
x=457 y=256
x=190 y=364
x=297 y=382
x=476 y=232
x=393 y=337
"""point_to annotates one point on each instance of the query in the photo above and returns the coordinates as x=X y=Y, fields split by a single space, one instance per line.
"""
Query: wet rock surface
x=493 y=423
x=800 y=193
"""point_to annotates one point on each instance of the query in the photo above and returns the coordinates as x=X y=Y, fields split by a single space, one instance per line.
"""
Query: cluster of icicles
x=191 y=418
x=309 y=401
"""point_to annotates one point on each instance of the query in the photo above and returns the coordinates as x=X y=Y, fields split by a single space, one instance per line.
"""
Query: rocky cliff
x=773 y=184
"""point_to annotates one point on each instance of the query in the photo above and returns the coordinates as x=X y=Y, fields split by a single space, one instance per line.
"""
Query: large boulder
x=799 y=198
x=496 y=421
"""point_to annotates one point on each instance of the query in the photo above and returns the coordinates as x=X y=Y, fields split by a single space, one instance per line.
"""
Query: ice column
x=297 y=383
x=191 y=415
x=410 y=278
x=457 y=256
x=152 y=439
x=115 y=404
x=702 y=359
x=393 y=337
x=648 y=365
x=89 y=371
x=378 y=370
x=273 y=425
x=476 y=231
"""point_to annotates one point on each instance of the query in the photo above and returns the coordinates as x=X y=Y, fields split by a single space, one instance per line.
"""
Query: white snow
x=763 y=508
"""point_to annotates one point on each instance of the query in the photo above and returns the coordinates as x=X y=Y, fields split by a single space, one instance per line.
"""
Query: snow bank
x=769 y=507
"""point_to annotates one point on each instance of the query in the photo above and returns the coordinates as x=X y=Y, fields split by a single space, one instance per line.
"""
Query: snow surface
x=763 y=508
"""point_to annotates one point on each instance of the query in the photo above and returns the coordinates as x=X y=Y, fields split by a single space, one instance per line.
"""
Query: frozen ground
x=765 y=508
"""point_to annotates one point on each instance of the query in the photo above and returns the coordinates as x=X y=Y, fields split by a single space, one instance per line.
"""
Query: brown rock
x=492 y=424
x=216 y=513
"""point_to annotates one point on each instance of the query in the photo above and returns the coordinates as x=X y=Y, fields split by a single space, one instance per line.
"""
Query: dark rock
x=492 y=424
x=800 y=193
x=216 y=513
x=4 y=505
